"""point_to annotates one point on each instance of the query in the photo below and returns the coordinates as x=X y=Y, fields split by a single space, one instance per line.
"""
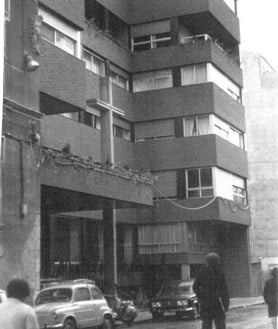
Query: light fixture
x=30 y=63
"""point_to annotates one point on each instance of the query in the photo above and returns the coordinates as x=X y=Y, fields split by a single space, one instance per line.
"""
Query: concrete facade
x=100 y=137
x=261 y=101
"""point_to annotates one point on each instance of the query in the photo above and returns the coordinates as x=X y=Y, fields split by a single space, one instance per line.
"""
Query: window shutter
x=181 y=186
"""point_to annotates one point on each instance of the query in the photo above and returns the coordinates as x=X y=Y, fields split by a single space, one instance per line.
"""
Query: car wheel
x=69 y=324
x=107 y=323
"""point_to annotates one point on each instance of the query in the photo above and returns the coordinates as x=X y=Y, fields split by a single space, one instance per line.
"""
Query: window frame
x=196 y=122
x=56 y=43
x=201 y=189
x=239 y=197
x=152 y=41
x=93 y=57
x=125 y=132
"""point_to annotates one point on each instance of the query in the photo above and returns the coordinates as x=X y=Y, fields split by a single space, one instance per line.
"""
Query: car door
x=85 y=307
x=99 y=301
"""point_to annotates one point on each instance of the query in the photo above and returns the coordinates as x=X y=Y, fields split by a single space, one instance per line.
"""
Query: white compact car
x=72 y=305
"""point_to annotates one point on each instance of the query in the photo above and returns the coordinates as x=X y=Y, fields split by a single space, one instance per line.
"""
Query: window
x=236 y=137
x=152 y=41
x=96 y=294
x=71 y=115
x=93 y=63
x=152 y=80
x=239 y=194
x=224 y=82
x=221 y=132
x=198 y=125
x=202 y=73
x=194 y=74
x=119 y=80
x=121 y=132
x=227 y=132
x=153 y=239
x=82 y=294
x=7 y=9
x=58 y=39
x=199 y=183
x=90 y=119
x=151 y=35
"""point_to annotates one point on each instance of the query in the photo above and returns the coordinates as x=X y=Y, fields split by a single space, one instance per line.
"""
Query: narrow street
x=254 y=317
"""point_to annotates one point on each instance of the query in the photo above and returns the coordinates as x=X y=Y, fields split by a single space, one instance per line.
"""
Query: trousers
x=219 y=321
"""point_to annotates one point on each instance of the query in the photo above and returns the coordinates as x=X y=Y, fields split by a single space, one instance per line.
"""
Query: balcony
x=191 y=152
x=195 y=99
x=220 y=210
x=191 y=50
x=203 y=15
x=62 y=76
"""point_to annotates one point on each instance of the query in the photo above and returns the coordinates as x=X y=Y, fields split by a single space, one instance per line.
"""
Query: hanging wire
x=183 y=207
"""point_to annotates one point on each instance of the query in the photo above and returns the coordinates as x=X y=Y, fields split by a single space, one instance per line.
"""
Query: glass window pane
x=47 y=32
x=201 y=73
x=203 y=125
x=193 y=178
x=98 y=66
x=162 y=82
x=145 y=46
x=122 y=82
x=194 y=194
x=142 y=38
x=87 y=58
x=65 y=43
x=188 y=127
x=206 y=177
x=207 y=192
x=188 y=75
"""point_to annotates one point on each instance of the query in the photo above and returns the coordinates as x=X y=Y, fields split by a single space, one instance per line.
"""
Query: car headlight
x=179 y=303
x=54 y=315
x=156 y=304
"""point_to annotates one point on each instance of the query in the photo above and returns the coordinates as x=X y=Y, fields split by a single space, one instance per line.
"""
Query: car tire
x=107 y=323
x=69 y=324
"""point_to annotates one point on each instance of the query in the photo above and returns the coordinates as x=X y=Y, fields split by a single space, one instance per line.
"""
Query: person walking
x=14 y=312
x=212 y=293
x=271 y=297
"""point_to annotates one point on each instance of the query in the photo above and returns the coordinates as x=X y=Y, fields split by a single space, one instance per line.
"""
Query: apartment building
x=260 y=101
x=125 y=88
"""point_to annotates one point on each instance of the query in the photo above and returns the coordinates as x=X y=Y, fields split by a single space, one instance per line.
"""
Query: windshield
x=177 y=287
x=54 y=296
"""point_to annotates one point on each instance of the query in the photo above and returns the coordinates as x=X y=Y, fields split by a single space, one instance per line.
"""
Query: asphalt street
x=253 y=317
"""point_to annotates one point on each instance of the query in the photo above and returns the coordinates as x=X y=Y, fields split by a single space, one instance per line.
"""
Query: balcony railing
x=205 y=37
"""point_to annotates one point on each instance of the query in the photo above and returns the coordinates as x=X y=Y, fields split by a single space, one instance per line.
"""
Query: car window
x=96 y=293
x=54 y=296
x=82 y=294
x=175 y=287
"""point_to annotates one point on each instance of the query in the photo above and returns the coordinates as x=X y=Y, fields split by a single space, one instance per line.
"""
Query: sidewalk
x=144 y=314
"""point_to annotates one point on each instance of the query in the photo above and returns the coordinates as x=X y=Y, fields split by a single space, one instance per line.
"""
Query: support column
x=110 y=251
x=185 y=272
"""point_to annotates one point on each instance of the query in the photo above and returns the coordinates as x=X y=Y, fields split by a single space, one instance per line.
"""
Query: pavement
x=145 y=315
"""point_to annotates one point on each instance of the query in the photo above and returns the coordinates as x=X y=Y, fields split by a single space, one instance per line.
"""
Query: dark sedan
x=175 y=297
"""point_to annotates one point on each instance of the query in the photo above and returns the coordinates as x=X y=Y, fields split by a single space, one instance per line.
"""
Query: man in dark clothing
x=271 y=297
x=212 y=293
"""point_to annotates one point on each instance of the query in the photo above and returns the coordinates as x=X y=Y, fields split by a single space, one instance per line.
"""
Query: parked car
x=175 y=297
x=72 y=305
x=3 y=295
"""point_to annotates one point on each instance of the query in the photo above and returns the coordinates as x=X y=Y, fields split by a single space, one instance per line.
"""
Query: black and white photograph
x=139 y=164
